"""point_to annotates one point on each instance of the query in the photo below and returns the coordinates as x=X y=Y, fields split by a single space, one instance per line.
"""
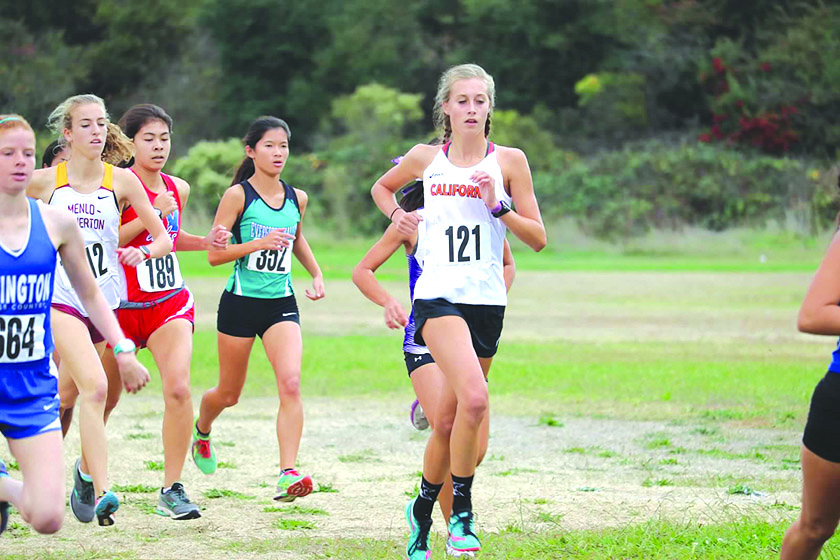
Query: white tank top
x=98 y=216
x=460 y=244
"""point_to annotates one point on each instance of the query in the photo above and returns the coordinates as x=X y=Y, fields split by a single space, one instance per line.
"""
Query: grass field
x=645 y=405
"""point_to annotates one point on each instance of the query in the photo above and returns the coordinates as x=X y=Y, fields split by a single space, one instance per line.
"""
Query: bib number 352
x=21 y=338
x=275 y=261
x=160 y=274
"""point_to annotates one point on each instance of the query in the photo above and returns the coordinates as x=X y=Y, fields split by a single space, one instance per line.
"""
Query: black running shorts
x=247 y=317
x=484 y=322
x=822 y=431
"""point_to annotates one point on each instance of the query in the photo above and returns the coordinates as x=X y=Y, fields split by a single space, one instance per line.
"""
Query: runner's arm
x=230 y=207
x=509 y=266
x=365 y=279
x=303 y=252
x=820 y=313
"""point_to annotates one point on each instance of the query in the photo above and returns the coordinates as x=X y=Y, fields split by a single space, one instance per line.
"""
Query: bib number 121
x=464 y=243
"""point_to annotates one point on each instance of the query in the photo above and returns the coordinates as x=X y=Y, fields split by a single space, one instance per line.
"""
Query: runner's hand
x=165 y=202
x=217 y=238
x=407 y=222
x=134 y=375
x=130 y=256
x=275 y=240
x=317 y=289
x=395 y=316
x=487 y=187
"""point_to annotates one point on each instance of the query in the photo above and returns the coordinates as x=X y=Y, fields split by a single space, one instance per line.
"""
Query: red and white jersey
x=460 y=244
x=154 y=278
x=98 y=216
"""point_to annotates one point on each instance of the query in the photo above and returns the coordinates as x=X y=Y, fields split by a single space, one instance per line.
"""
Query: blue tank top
x=26 y=289
x=834 y=366
x=414 y=270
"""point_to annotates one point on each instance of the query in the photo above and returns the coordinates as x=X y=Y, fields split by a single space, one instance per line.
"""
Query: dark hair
x=50 y=153
x=255 y=133
x=412 y=198
x=136 y=118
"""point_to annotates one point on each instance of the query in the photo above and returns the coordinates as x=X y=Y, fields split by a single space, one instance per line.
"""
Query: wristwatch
x=147 y=253
x=500 y=210
x=124 y=345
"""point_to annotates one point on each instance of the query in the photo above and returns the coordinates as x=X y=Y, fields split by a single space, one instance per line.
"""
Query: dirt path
x=585 y=474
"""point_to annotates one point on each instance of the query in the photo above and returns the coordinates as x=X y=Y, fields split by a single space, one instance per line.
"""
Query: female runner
x=425 y=376
x=459 y=298
x=264 y=214
x=95 y=192
x=159 y=312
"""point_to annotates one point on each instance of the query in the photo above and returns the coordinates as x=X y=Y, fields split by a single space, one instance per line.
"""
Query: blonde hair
x=447 y=79
x=11 y=121
x=118 y=147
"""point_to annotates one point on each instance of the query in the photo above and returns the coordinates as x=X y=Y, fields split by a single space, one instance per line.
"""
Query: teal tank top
x=264 y=274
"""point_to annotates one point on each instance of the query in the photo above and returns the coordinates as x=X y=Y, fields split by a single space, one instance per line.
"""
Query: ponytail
x=118 y=147
x=246 y=169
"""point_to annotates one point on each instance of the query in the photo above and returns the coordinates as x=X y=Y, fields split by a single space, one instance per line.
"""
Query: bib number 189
x=160 y=274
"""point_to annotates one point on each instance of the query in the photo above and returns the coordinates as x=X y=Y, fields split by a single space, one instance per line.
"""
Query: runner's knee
x=818 y=530
x=474 y=406
x=177 y=393
x=47 y=520
x=289 y=386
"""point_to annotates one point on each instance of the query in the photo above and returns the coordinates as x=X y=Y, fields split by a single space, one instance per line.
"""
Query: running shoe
x=4 y=506
x=418 y=540
x=83 y=496
x=106 y=505
x=175 y=504
x=462 y=541
x=418 y=417
x=292 y=485
x=203 y=453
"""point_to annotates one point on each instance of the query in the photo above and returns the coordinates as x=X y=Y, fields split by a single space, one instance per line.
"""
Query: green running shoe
x=462 y=541
x=175 y=504
x=203 y=453
x=82 y=497
x=292 y=485
x=106 y=505
x=418 y=540
x=4 y=506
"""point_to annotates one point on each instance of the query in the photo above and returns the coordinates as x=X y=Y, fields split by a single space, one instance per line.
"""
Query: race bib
x=276 y=261
x=160 y=274
x=95 y=253
x=21 y=338
x=460 y=244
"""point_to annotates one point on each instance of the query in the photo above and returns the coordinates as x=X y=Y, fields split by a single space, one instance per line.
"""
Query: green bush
x=653 y=185
x=208 y=167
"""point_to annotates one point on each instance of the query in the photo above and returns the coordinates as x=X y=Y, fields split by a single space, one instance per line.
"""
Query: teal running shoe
x=4 y=506
x=418 y=539
x=83 y=496
x=462 y=541
x=106 y=505
x=175 y=504
x=292 y=485
x=203 y=454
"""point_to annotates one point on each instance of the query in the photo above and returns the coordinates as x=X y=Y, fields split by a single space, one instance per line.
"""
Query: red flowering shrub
x=744 y=111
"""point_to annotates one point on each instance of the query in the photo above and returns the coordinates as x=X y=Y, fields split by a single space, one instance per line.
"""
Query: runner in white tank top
x=82 y=122
x=459 y=300
x=99 y=219
x=463 y=243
